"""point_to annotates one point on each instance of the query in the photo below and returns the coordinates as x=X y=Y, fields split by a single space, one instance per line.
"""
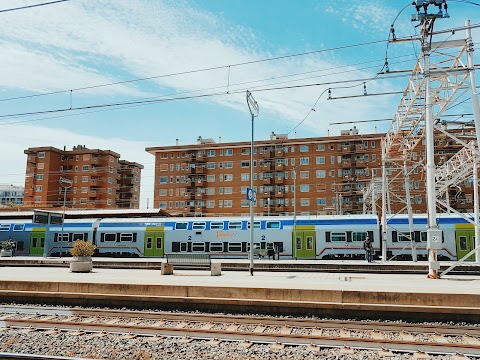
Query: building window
x=163 y=179
x=320 y=160
x=372 y=144
x=228 y=152
x=320 y=174
x=210 y=178
x=292 y=161
x=84 y=178
x=110 y=190
x=321 y=201
x=211 y=165
x=304 y=188
x=210 y=153
x=83 y=201
x=41 y=166
x=85 y=168
x=39 y=176
x=227 y=203
x=84 y=190
x=320 y=147
x=245 y=164
x=38 y=199
x=245 y=177
x=303 y=148
x=163 y=192
x=228 y=177
x=304 y=161
x=228 y=190
x=304 y=174
x=110 y=180
x=41 y=155
x=38 y=188
x=304 y=202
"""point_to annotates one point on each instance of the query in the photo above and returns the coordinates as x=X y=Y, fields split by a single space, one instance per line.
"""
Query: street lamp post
x=295 y=210
x=254 y=109
x=66 y=184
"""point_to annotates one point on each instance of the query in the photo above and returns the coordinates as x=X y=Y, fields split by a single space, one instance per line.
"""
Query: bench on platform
x=190 y=261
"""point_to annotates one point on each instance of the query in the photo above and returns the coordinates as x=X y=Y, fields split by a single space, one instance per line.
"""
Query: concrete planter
x=6 y=253
x=81 y=264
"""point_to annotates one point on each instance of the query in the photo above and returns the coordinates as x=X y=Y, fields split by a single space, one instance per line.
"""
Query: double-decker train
x=317 y=237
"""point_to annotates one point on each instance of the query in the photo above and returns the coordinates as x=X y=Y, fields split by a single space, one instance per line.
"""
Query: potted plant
x=7 y=247
x=82 y=252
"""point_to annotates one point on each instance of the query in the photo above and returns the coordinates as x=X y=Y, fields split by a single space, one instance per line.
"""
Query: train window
x=359 y=236
x=216 y=225
x=183 y=247
x=198 y=226
x=126 y=237
x=4 y=227
x=216 y=247
x=149 y=243
x=42 y=242
x=273 y=224
x=235 y=225
x=462 y=242
x=34 y=242
x=18 y=227
x=269 y=246
x=423 y=235
x=235 y=247
x=339 y=236
x=403 y=236
x=256 y=224
x=309 y=243
x=198 y=247
x=255 y=246
x=78 y=237
x=298 y=243
x=181 y=226
x=159 y=242
x=110 y=237
x=63 y=237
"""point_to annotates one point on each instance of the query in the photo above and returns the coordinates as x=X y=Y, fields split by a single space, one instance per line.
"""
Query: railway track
x=384 y=338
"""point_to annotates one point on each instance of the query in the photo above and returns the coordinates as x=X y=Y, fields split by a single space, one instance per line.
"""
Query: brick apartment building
x=211 y=178
x=100 y=179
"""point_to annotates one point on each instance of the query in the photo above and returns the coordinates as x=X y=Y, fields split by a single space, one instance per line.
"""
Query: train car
x=318 y=237
x=21 y=232
x=73 y=229
x=131 y=237
x=458 y=237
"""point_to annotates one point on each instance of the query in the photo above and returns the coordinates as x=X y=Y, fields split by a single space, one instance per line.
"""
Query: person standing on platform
x=367 y=245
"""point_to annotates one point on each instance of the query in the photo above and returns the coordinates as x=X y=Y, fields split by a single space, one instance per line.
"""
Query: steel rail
x=249 y=320
x=255 y=336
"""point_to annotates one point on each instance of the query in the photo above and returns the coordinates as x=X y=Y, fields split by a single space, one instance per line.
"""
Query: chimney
x=177 y=142
x=199 y=140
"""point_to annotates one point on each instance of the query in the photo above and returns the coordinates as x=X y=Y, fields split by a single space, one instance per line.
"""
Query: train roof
x=90 y=213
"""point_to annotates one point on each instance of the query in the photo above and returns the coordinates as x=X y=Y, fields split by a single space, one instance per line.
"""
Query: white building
x=11 y=195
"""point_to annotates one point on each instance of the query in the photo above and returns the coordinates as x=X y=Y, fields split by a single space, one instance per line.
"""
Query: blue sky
x=84 y=43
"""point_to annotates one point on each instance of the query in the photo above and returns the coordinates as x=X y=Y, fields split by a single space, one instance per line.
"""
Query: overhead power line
x=34 y=5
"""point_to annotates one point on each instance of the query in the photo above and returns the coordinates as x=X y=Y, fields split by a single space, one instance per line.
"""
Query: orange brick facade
x=100 y=179
x=211 y=178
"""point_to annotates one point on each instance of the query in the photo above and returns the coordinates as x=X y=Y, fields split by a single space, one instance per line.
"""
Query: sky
x=193 y=61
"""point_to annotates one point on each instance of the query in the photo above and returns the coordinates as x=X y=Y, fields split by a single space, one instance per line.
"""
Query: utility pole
x=434 y=234
x=254 y=110
x=66 y=184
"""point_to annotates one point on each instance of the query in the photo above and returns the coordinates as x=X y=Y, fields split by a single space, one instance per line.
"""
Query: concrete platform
x=354 y=266
x=350 y=295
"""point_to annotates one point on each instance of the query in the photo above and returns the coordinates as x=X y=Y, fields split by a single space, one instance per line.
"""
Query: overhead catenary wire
x=32 y=6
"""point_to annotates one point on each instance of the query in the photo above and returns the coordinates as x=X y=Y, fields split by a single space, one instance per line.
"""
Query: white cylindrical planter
x=81 y=264
x=6 y=253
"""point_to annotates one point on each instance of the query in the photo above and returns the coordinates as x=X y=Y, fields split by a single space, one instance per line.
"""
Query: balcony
x=279 y=180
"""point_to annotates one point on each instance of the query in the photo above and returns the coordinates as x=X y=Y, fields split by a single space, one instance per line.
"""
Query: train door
x=154 y=242
x=304 y=243
x=37 y=241
x=465 y=241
